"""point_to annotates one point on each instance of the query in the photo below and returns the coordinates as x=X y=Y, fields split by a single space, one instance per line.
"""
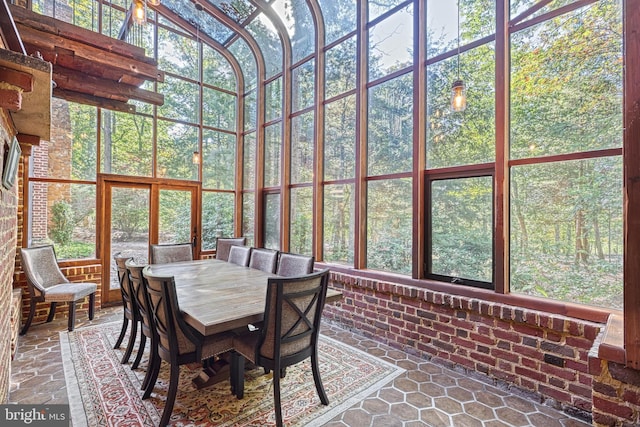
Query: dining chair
x=173 y=252
x=263 y=259
x=294 y=265
x=240 y=255
x=129 y=309
x=292 y=315
x=46 y=282
x=223 y=246
x=178 y=343
x=141 y=298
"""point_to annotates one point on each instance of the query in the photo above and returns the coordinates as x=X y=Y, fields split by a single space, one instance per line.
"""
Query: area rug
x=104 y=392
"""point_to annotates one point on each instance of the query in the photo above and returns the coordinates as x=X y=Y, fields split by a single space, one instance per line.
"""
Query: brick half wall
x=542 y=355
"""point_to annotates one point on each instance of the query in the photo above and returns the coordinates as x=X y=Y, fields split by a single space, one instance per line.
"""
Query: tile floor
x=425 y=395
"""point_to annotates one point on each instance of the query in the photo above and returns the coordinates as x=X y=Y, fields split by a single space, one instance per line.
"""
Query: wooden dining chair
x=240 y=255
x=178 y=343
x=263 y=259
x=141 y=298
x=290 y=265
x=292 y=315
x=173 y=252
x=223 y=246
x=47 y=283
x=129 y=310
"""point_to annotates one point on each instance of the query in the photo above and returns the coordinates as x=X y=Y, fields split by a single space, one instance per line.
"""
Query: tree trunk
x=524 y=241
x=106 y=134
x=597 y=241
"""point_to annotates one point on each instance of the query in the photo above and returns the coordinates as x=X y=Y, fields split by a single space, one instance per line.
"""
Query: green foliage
x=61 y=222
x=75 y=249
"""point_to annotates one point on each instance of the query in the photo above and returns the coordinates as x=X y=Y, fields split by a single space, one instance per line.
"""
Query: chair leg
x=143 y=342
x=72 y=315
x=132 y=341
x=237 y=374
x=152 y=372
x=92 y=303
x=123 y=331
x=32 y=312
x=52 y=311
x=171 y=395
x=276 y=398
x=317 y=380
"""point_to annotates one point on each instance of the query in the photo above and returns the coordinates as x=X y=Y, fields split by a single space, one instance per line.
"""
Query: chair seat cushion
x=66 y=292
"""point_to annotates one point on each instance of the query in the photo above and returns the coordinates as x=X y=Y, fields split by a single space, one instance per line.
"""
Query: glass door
x=136 y=215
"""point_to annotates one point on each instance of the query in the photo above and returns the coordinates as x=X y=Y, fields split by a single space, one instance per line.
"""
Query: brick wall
x=542 y=355
x=8 y=220
x=616 y=394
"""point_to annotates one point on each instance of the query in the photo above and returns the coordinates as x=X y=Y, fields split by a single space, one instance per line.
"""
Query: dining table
x=217 y=296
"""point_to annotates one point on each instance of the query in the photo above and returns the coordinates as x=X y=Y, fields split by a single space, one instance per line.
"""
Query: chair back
x=223 y=246
x=140 y=295
x=290 y=265
x=240 y=255
x=175 y=339
x=263 y=259
x=125 y=286
x=174 y=252
x=41 y=268
x=292 y=318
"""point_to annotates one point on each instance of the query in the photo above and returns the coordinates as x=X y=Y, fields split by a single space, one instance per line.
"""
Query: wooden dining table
x=217 y=296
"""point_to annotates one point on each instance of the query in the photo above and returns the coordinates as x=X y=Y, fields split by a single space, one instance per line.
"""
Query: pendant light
x=139 y=12
x=458 y=90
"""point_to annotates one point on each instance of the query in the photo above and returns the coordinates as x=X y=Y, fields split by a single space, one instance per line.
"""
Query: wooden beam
x=77 y=81
x=25 y=139
x=8 y=31
x=44 y=41
x=83 y=98
x=16 y=78
x=11 y=99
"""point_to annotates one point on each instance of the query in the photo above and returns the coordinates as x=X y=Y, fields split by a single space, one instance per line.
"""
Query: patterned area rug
x=103 y=392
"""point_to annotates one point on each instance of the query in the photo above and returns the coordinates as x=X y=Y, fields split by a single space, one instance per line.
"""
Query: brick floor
x=425 y=395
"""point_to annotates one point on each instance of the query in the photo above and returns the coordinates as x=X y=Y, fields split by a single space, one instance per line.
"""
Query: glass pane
x=390 y=133
x=477 y=20
x=378 y=7
x=247 y=61
x=63 y=215
x=339 y=17
x=272 y=221
x=129 y=226
x=338 y=233
x=520 y=6
x=297 y=20
x=303 y=80
x=272 y=144
x=216 y=69
x=389 y=225
x=218 y=109
x=181 y=100
x=269 y=42
x=250 y=111
x=340 y=68
x=176 y=144
x=468 y=137
x=301 y=220
x=217 y=217
x=248 y=217
x=391 y=44
x=566 y=218
x=71 y=154
x=302 y=132
x=174 y=216
x=218 y=160
x=462 y=228
x=249 y=162
x=112 y=18
x=126 y=144
x=273 y=100
x=340 y=139
x=177 y=54
x=566 y=83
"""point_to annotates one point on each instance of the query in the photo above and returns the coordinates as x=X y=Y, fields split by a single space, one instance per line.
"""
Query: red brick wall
x=8 y=219
x=616 y=394
x=515 y=347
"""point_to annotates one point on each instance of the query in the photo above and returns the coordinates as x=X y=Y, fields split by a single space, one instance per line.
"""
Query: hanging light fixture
x=139 y=12
x=154 y=2
x=458 y=90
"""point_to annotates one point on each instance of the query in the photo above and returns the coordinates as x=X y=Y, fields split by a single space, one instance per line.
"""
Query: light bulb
x=458 y=96
x=139 y=14
x=196 y=158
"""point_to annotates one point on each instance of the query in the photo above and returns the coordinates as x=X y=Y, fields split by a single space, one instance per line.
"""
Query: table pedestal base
x=212 y=373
